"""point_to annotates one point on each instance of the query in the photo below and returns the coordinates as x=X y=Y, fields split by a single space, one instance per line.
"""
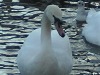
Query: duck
x=81 y=13
x=91 y=30
x=46 y=51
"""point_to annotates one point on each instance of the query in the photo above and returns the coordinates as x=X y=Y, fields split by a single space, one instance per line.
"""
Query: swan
x=81 y=13
x=46 y=52
x=92 y=28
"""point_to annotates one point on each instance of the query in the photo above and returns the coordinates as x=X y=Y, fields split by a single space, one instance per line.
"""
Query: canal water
x=17 y=22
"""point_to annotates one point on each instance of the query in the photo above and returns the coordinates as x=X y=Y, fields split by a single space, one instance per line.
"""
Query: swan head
x=80 y=3
x=54 y=15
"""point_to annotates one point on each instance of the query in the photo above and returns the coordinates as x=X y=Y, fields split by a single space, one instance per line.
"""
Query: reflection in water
x=93 y=48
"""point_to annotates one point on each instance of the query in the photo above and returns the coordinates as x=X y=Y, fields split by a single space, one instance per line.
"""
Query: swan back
x=91 y=29
x=93 y=18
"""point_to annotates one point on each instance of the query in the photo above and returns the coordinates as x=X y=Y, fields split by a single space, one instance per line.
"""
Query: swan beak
x=58 y=24
x=59 y=28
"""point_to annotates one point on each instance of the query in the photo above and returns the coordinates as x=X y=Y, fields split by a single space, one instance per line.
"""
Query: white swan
x=81 y=12
x=44 y=51
x=92 y=28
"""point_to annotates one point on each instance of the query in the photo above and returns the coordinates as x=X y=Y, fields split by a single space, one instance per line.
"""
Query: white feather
x=44 y=52
x=92 y=28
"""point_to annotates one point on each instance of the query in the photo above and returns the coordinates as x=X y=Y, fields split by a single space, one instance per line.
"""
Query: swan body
x=46 y=52
x=92 y=28
x=81 y=12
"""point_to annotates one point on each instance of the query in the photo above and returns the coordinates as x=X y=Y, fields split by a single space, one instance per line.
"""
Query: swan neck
x=46 y=32
x=81 y=8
